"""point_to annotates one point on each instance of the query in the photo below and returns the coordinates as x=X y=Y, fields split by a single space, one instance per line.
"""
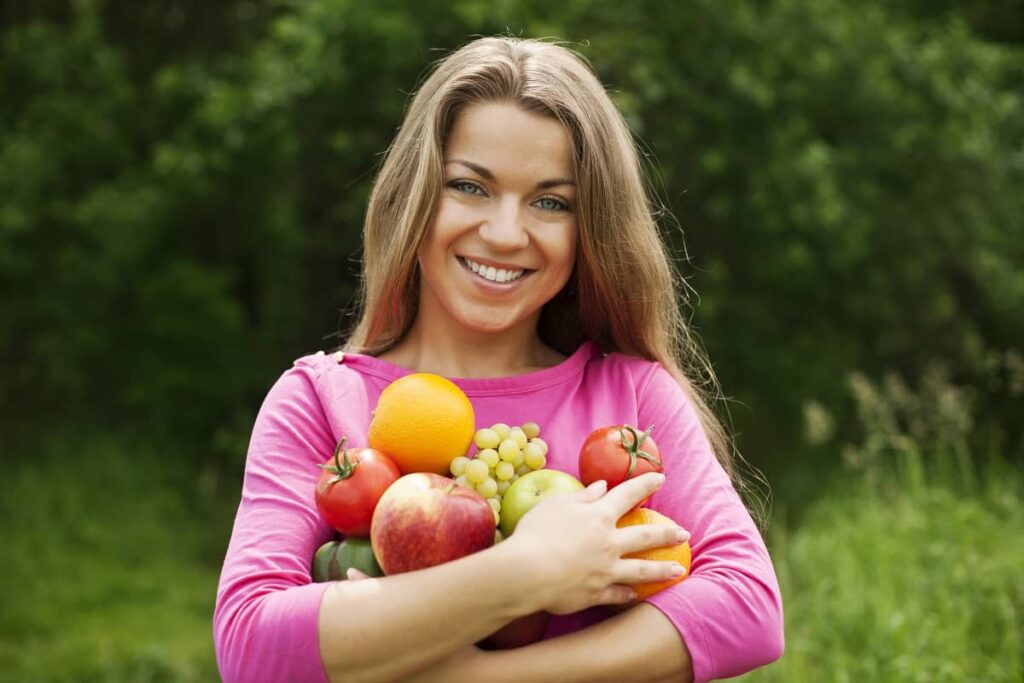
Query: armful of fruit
x=427 y=614
x=446 y=527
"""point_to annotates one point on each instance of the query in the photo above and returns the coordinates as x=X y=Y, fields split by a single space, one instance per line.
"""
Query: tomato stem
x=339 y=470
x=633 y=449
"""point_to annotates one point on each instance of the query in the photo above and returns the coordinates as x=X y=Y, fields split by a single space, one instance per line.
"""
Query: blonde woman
x=509 y=246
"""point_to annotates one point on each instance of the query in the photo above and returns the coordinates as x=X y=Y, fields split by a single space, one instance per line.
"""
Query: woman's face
x=502 y=241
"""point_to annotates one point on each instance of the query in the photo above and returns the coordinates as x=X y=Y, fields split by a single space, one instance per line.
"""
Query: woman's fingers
x=631 y=539
x=593 y=492
x=617 y=595
x=644 y=571
x=580 y=527
x=626 y=495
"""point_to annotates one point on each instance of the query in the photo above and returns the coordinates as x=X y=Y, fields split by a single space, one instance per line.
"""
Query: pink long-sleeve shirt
x=728 y=611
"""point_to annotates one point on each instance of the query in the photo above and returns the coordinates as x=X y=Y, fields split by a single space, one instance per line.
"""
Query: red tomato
x=618 y=453
x=350 y=485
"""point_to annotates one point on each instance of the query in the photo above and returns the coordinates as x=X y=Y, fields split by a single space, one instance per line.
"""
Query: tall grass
x=925 y=586
x=911 y=566
x=104 y=576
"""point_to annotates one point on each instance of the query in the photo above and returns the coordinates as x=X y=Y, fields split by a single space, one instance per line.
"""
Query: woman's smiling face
x=502 y=240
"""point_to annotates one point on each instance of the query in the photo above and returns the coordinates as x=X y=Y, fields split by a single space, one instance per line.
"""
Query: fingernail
x=682 y=535
x=659 y=478
x=678 y=570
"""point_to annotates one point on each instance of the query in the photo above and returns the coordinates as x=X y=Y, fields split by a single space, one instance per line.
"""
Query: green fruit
x=334 y=558
x=527 y=492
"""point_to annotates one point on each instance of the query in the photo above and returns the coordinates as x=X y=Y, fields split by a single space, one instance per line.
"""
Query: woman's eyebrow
x=487 y=175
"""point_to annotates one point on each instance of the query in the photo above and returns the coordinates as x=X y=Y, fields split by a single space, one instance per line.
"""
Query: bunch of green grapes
x=504 y=454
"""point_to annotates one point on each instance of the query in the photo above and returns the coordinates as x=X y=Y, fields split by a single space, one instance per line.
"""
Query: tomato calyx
x=340 y=470
x=634 y=448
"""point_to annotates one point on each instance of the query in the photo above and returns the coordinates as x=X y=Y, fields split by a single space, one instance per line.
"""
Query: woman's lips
x=492 y=284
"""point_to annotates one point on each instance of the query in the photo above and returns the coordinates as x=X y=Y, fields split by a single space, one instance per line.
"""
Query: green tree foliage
x=183 y=186
x=851 y=195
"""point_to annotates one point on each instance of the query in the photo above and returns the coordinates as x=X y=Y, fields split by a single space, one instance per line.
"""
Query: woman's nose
x=505 y=227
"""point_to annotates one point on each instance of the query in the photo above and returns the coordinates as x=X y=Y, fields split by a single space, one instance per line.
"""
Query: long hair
x=624 y=293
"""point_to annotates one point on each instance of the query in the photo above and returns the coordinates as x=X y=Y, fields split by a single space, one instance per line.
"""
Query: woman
x=509 y=245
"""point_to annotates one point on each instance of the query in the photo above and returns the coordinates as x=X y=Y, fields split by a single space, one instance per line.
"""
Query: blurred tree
x=183 y=188
x=850 y=197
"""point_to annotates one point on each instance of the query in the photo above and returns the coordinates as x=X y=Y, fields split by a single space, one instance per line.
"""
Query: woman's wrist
x=518 y=572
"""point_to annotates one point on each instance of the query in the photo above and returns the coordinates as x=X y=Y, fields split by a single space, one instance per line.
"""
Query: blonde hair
x=623 y=294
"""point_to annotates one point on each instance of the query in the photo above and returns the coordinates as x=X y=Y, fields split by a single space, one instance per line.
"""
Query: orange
x=422 y=421
x=677 y=553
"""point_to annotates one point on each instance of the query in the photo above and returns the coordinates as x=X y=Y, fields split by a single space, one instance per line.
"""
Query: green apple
x=527 y=492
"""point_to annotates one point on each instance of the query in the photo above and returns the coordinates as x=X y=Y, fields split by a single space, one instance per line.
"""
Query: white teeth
x=493 y=274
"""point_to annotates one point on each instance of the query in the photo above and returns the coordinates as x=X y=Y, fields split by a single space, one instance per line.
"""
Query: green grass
x=110 y=575
x=105 y=577
x=905 y=582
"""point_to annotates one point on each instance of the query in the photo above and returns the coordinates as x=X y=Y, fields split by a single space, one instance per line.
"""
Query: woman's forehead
x=507 y=140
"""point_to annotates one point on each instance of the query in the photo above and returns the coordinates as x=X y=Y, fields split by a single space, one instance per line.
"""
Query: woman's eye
x=466 y=187
x=552 y=204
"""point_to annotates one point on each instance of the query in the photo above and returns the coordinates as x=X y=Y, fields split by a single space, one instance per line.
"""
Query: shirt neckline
x=572 y=366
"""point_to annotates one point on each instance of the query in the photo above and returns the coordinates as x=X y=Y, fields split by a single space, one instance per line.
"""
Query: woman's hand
x=353 y=574
x=570 y=542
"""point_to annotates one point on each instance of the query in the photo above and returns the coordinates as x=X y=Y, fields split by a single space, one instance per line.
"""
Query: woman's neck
x=468 y=354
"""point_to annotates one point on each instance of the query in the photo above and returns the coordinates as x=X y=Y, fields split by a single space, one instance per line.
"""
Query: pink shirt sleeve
x=267 y=610
x=729 y=610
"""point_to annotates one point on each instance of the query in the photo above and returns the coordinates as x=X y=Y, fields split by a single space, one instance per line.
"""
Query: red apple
x=424 y=519
x=517 y=633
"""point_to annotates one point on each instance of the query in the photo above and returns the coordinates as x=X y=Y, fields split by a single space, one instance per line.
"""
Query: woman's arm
x=729 y=609
x=386 y=629
x=639 y=645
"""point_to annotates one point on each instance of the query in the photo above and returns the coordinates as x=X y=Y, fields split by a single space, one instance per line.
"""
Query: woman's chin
x=489 y=324
x=486 y=327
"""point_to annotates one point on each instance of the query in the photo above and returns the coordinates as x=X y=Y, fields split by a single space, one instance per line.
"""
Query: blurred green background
x=182 y=186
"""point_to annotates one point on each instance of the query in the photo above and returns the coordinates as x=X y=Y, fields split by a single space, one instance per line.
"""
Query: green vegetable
x=333 y=559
